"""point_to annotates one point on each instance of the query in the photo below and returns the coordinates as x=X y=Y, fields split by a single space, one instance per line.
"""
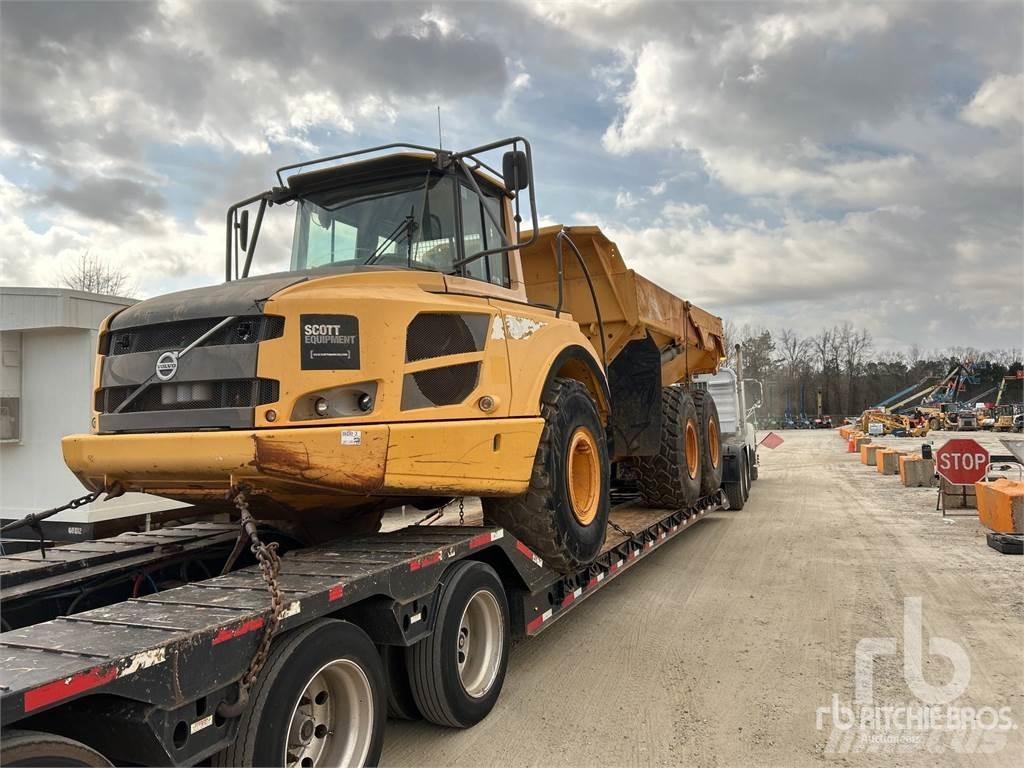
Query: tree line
x=842 y=364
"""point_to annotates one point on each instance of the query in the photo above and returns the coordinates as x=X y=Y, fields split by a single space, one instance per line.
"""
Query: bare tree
x=93 y=275
x=854 y=345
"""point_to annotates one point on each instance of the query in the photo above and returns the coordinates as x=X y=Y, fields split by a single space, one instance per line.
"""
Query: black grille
x=439 y=386
x=436 y=334
x=163 y=336
x=179 y=396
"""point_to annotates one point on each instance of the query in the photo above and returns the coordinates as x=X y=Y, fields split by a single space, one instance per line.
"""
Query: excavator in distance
x=421 y=346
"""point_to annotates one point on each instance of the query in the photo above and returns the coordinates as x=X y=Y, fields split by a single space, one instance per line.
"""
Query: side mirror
x=243 y=231
x=515 y=170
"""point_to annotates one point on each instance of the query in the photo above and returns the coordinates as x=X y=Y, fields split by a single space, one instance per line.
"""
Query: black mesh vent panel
x=436 y=334
x=439 y=386
x=178 y=396
x=161 y=336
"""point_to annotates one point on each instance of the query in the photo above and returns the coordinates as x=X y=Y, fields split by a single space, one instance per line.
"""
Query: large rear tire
x=671 y=479
x=710 y=442
x=321 y=700
x=736 y=491
x=457 y=671
x=28 y=749
x=563 y=515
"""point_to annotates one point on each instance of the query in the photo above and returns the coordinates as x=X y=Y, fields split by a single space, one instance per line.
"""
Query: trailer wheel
x=457 y=671
x=401 y=704
x=671 y=478
x=736 y=492
x=710 y=442
x=27 y=749
x=563 y=515
x=319 y=701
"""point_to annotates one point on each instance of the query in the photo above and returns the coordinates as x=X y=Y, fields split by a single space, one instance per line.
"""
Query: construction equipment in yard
x=419 y=348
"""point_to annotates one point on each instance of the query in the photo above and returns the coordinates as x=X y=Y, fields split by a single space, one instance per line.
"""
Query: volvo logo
x=166 y=365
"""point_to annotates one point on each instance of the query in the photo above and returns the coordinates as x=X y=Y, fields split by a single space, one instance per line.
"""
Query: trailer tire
x=710 y=442
x=326 y=651
x=401 y=704
x=671 y=478
x=457 y=671
x=28 y=749
x=736 y=491
x=563 y=516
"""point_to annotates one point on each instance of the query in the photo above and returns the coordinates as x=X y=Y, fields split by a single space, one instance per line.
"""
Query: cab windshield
x=407 y=222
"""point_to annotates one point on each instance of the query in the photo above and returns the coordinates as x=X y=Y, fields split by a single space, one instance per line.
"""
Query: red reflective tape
x=568 y=599
x=59 y=690
x=335 y=593
x=423 y=562
x=479 y=541
x=535 y=623
x=614 y=567
x=224 y=634
x=592 y=583
x=525 y=549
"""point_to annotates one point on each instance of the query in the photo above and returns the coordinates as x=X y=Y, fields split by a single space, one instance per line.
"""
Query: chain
x=462 y=510
x=33 y=519
x=624 y=531
x=270 y=565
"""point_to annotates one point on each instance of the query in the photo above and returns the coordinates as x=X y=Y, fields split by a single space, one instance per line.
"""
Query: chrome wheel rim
x=332 y=721
x=479 y=643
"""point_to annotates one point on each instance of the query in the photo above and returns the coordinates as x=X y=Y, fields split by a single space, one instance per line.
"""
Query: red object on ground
x=961 y=461
x=771 y=440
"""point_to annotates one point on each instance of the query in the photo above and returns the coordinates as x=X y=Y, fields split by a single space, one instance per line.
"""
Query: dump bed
x=631 y=306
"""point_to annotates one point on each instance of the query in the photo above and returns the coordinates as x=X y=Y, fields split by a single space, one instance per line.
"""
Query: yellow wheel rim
x=583 y=470
x=692 y=453
x=713 y=443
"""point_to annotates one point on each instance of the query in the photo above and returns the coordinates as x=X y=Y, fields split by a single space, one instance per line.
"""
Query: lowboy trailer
x=415 y=622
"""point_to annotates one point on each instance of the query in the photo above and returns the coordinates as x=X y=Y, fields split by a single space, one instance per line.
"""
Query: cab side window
x=480 y=234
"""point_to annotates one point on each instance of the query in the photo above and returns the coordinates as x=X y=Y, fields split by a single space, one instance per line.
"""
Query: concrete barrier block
x=916 y=472
x=957 y=496
x=868 y=453
x=887 y=461
x=859 y=441
x=1001 y=505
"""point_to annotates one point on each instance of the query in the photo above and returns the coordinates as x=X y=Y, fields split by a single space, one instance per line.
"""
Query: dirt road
x=719 y=650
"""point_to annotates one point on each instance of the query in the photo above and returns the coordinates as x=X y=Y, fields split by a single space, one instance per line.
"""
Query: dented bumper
x=473 y=457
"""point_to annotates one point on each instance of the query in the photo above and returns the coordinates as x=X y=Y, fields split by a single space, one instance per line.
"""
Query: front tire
x=563 y=515
x=321 y=700
x=456 y=672
x=28 y=749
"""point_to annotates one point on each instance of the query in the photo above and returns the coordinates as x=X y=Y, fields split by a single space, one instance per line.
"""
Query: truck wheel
x=456 y=672
x=27 y=749
x=671 y=478
x=753 y=468
x=401 y=704
x=710 y=442
x=319 y=701
x=736 y=491
x=563 y=515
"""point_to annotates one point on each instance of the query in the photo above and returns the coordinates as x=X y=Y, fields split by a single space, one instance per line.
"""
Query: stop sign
x=961 y=461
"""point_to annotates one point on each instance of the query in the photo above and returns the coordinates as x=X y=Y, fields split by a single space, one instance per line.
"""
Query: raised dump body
x=690 y=339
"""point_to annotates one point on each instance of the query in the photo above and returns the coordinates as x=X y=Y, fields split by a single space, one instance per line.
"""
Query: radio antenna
x=440 y=143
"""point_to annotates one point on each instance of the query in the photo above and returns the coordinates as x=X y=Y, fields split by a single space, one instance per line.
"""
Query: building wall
x=56 y=389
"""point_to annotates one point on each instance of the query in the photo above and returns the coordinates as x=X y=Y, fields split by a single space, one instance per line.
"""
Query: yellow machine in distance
x=419 y=347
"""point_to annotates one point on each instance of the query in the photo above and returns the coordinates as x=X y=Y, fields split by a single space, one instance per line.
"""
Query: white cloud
x=999 y=103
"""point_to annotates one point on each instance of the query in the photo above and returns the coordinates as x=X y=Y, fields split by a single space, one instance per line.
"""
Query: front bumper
x=482 y=457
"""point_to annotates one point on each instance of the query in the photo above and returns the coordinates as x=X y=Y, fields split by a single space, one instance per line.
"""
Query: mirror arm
x=255 y=236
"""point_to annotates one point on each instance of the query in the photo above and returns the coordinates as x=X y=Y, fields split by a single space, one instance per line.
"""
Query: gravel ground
x=719 y=650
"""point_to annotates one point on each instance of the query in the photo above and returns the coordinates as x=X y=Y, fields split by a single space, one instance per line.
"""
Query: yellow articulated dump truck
x=420 y=345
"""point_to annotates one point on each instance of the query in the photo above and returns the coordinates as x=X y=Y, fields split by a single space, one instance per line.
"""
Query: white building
x=48 y=348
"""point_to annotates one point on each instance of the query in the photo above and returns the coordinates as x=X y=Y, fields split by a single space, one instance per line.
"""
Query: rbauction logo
x=934 y=721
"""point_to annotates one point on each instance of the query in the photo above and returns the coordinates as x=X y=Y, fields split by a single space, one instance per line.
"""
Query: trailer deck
x=170 y=650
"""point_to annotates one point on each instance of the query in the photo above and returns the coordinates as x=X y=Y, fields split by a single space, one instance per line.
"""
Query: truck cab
x=739 y=433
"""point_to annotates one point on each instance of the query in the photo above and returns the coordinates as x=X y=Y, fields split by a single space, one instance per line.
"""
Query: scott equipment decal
x=329 y=342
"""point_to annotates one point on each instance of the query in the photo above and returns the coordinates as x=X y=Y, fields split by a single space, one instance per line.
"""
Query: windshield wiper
x=409 y=225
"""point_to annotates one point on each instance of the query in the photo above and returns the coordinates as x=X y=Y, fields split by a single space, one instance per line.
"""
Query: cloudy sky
x=789 y=165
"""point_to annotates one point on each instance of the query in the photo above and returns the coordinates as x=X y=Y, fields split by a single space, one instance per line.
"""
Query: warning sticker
x=330 y=342
x=351 y=437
